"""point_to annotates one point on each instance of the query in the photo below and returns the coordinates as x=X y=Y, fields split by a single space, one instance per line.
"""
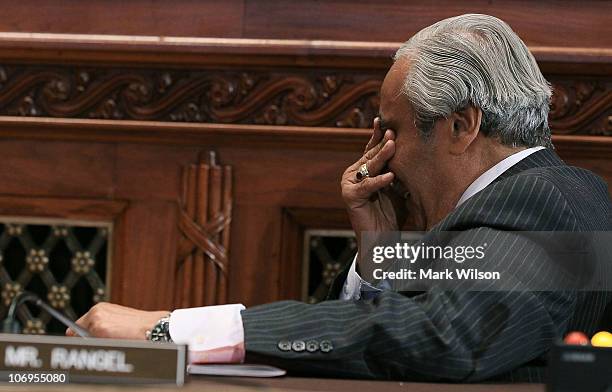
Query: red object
x=577 y=338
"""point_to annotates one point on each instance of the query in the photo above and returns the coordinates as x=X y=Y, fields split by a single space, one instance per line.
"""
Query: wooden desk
x=215 y=384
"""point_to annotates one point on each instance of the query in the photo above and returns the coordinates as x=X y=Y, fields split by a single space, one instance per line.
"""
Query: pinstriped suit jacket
x=446 y=335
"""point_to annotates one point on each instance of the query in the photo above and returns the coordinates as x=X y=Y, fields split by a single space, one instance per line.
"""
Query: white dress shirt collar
x=490 y=175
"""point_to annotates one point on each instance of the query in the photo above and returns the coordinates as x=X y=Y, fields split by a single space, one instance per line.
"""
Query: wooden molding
x=255 y=136
x=566 y=23
x=126 y=49
x=182 y=133
x=316 y=96
x=62 y=208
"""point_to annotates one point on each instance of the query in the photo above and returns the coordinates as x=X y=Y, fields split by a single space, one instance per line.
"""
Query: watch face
x=161 y=333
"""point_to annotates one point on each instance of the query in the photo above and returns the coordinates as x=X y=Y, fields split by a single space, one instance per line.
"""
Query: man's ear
x=464 y=127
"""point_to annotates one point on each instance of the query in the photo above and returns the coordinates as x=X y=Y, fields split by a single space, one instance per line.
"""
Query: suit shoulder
x=585 y=193
x=525 y=201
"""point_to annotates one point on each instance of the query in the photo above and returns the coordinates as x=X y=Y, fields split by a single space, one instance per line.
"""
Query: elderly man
x=463 y=133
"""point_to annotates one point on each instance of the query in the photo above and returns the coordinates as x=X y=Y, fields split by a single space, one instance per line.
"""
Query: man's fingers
x=389 y=135
x=82 y=322
x=376 y=136
x=71 y=332
x=378 y=162
x=375 y=159
x=370 y=185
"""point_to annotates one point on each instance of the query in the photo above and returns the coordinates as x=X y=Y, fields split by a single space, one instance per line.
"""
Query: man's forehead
x=394 y=80
x=392 y=101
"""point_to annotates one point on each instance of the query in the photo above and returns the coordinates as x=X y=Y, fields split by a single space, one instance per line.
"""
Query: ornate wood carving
x=582 y=106
x=315 y=97
x=311 y=98
x=205 y=212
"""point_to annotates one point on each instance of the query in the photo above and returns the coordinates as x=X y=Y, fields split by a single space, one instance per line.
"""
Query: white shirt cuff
x=208 y=329
x=354 y=284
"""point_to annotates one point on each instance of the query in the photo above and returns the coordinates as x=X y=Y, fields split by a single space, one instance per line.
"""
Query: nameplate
x=91 y=360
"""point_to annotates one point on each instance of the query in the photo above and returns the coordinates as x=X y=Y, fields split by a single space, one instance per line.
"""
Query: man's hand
x=371 y=204
x=105 y=320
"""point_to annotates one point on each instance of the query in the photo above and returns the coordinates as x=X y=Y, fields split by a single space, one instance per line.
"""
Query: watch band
x=160 y=331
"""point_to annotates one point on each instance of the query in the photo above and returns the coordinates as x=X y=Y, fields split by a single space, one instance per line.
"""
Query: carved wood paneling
x=204 y=226
x=269 y=178
x=318 y=97
x=582 y=106
x=276 y=97
x=108 y=120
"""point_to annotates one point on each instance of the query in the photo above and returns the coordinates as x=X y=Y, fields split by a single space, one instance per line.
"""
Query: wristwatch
x=160 y=331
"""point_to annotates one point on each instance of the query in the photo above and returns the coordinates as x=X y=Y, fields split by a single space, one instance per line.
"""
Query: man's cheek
x=397 y=166
x=392 y=165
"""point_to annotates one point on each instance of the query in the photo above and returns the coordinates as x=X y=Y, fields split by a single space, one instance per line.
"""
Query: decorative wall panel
x=204 y=225
x=112 y=129
x=312 y=98
x=326 y=253
x=307 y=97
x=64 y=263
x=582 y=106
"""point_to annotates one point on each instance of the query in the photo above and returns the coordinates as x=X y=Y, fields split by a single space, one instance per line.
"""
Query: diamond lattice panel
x=327 y=252
x=64 y=263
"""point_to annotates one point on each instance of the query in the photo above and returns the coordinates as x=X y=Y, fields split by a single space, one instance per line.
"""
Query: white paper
x=244 y=370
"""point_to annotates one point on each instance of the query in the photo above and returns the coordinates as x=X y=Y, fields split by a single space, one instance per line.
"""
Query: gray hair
x=477 y=60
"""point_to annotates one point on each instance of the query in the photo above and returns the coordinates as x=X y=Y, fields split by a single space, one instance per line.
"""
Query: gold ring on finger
x=362 y=172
